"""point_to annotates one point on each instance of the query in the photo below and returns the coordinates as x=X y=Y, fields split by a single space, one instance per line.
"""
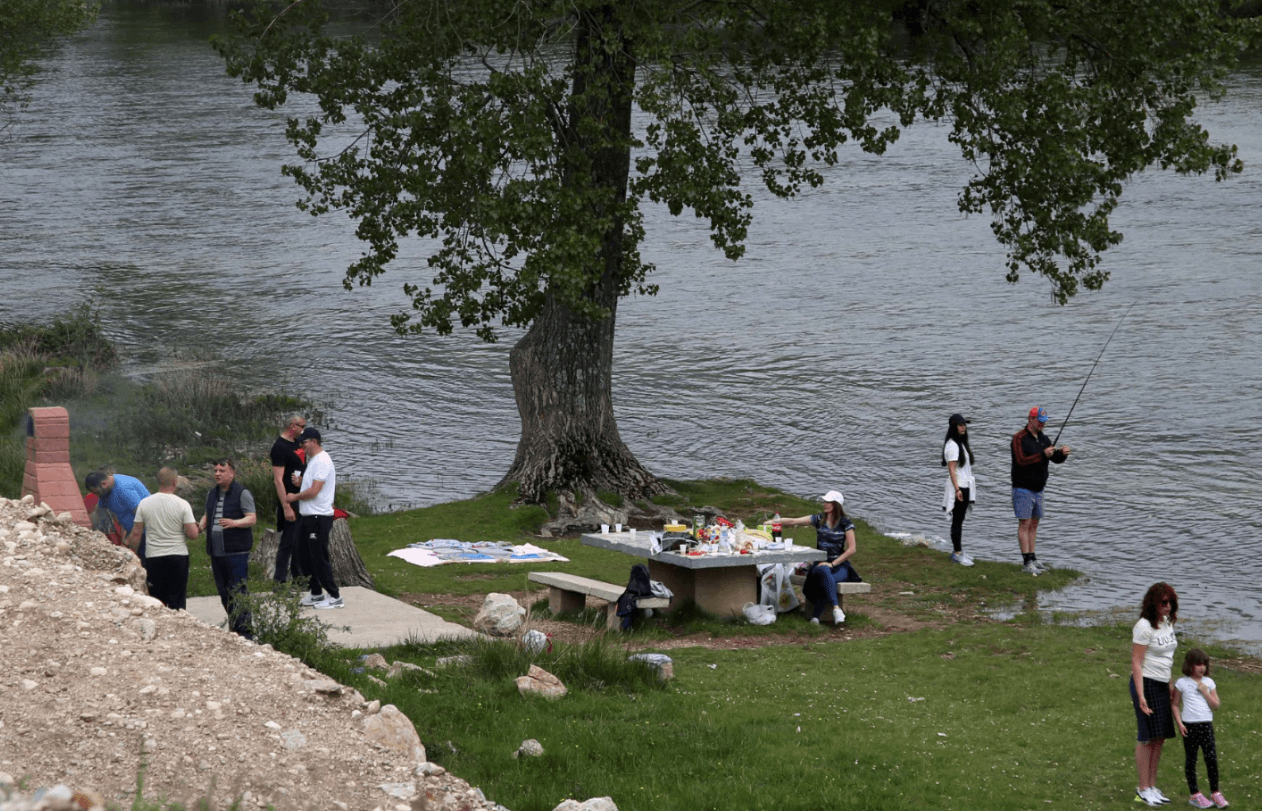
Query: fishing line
x=1097 y=363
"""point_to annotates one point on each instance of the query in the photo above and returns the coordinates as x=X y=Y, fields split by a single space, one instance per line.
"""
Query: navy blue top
x=831 y=539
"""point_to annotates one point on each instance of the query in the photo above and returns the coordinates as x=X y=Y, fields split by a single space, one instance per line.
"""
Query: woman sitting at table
x=834 y=535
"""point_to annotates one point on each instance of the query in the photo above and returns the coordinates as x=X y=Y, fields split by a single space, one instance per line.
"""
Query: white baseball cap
x=833 y=495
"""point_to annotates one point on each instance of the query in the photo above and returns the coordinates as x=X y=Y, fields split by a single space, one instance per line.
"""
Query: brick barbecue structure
x=49 y=477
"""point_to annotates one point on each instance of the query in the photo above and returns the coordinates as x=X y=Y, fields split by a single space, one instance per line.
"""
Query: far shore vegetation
x=926 y=700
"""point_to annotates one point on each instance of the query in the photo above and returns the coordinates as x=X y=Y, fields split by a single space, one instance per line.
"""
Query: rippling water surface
x=830 y=357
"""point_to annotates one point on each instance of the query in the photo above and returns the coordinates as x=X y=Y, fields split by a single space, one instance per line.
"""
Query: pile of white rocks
x=102 y=683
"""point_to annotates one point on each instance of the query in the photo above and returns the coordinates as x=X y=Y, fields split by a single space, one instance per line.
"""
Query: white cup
x=632 y=531
x=617 y=527
x=604 y=529
x=788 y=543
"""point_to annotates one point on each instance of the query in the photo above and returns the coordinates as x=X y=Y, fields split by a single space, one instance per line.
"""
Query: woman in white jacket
x=960 y=492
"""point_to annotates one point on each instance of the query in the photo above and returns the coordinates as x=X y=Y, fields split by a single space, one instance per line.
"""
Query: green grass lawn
x=1014 y=715
x=979 y=714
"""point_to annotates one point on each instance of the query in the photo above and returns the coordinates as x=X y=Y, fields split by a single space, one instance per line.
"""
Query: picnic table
x=720 y=584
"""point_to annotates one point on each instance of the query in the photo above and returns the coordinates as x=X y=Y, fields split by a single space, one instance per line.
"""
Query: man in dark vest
x=228 y=526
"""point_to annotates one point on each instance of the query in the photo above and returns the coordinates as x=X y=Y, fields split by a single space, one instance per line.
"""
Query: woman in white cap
x=961 y=491
x=834 y=535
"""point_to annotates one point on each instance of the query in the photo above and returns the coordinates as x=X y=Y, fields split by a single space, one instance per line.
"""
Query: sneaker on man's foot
x=311 y=599
x=961 y=558
x=1030 y=568
x=839 y=616
x=330 y=602
x=1159 y=797
x=1041 y=566
x=1145 y=796
x=1200 y=801
x=1219 y=799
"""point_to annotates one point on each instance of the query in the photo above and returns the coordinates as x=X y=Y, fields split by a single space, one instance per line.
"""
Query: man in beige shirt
x=165 y=520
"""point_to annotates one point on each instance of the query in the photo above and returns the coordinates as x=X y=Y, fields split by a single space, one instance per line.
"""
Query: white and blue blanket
x=438 y=551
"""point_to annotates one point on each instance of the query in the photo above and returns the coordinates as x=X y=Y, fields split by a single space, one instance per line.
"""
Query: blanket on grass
x=438 y=551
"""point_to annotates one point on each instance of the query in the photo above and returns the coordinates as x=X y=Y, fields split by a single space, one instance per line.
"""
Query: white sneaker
x=1158 y=796
x=839 y=616
x=961 y=558
x=311 y=599
x=1044 y=567
x=329 y=602
x=1144 y=795
x=1030 y=568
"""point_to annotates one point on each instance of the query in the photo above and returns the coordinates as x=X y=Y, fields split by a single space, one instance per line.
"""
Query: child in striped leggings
x=1199 y=697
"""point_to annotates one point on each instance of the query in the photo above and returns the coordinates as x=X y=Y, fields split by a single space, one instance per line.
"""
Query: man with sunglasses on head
x=288 y=463
x=1031 y=452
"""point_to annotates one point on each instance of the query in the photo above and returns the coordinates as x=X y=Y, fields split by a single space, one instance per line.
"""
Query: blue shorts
x=1026 y=504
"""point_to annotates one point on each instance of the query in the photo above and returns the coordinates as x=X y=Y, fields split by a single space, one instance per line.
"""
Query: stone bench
x=842 y=588
x=569 y=592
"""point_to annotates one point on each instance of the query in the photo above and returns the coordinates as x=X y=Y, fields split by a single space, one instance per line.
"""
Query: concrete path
x=375 y=620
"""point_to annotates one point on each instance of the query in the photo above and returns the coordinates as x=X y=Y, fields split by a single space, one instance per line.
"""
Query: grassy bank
x=491 y=517
x=1017 y=715
x=968 y=711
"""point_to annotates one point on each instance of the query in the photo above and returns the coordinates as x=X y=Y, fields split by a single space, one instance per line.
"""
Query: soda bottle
x=776 y=528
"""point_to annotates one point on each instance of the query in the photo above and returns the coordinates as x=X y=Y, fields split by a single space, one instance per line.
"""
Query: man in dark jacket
x=228 y=524
x=1031 y=452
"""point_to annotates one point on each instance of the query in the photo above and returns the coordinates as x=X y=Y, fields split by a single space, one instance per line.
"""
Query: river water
x=143 y=179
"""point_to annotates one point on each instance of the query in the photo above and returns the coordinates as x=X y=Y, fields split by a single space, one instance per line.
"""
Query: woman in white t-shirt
x=961 y=490
x=1152 y=658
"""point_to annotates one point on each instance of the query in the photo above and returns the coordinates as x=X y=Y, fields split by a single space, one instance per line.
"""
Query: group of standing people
x=157 y=526
x=1032 y=454
x=1162 y=704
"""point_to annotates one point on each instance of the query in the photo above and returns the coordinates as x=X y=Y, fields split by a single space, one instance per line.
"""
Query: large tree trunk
x=562 y=368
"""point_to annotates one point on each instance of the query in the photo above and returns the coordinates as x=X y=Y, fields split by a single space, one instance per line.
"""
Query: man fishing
x=1031 y=452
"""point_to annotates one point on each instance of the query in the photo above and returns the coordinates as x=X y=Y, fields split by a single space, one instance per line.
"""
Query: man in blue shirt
x=120 y=495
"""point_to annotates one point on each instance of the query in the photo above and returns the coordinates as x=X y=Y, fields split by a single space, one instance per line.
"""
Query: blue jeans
x=231 y=573
x=829 y=577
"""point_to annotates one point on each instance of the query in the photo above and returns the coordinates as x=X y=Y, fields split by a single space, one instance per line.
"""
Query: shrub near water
x=72 y=339
x=40 y=361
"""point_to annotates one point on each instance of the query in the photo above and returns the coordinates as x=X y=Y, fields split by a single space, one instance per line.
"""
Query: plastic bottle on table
x=777 y=528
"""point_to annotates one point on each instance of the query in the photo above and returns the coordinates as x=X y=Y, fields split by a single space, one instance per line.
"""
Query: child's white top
x=1195 y=708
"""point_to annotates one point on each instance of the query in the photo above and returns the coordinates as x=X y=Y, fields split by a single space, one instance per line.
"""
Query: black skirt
x=1161 y=723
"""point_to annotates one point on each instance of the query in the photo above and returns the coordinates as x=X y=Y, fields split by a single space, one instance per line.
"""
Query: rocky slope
x=99 y=679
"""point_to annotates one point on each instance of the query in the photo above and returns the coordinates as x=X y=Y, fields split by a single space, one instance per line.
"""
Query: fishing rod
x=1097 y=363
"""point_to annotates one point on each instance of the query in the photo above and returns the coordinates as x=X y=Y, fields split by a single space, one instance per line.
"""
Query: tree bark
x=562 y=368
x=348 y=566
